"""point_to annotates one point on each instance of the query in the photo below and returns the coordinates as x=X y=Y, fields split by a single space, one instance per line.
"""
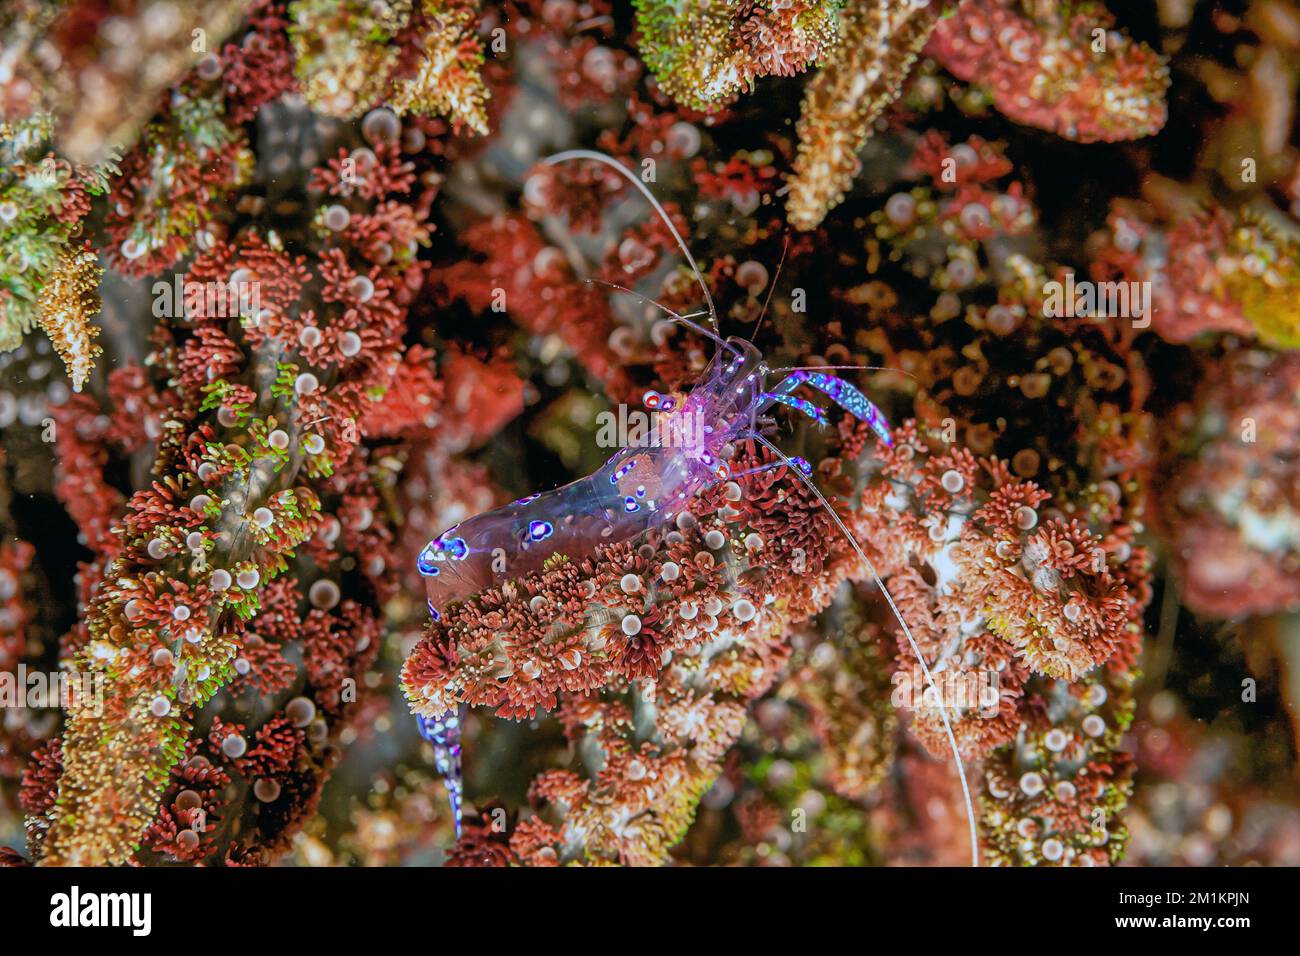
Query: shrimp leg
x=907 y=632
x=443 y=732
x=842 y=394
x=799 y=405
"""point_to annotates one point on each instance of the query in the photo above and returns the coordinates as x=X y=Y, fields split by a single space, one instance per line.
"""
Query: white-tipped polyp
x=907 y=631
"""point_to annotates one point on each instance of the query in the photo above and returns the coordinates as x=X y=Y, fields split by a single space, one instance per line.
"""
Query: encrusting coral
x=422 y=57
x=260 y=428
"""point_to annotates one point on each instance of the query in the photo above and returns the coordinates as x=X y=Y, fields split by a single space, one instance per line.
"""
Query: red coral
x=1045 y=72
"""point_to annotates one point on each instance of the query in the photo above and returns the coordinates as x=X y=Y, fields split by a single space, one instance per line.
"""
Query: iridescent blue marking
x=620 y=472
x=424 y=563
x=802 y=464
x=843 y=394
x=526 y=499
x=540 y=530
x=800 y=405
x=443 y=731
x=640 y=491
x=630 y=505
x=433 y=611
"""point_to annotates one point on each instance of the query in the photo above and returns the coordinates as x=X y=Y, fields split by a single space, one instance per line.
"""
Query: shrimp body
x=639 y=487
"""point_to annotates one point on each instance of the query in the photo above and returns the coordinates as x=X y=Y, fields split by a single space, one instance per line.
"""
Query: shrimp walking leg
x=443 y=732
x=842 y=394
x=799 y=405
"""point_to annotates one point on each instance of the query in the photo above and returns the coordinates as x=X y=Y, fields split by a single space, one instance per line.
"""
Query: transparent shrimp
x=686 y=452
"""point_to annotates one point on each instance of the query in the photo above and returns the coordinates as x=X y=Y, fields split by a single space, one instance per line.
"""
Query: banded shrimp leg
x=443 y=732
x=855 y=403
x=859 y=406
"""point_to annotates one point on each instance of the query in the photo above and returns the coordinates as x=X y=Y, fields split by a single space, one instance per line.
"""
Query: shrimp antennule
x=683 y=319
x=854 y=368
x=907 y=631
x=630 y=176
x=770 y=289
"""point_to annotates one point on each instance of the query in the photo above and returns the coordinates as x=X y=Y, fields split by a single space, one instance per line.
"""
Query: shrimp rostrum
x=691 y=450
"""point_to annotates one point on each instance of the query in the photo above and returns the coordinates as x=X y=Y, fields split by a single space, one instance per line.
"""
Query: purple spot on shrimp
x=627 y=466
x=539 y=530
x=630 y=505
x=433 y=611
x=526 y=499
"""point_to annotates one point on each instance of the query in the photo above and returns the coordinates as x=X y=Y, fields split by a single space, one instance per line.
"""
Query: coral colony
x=851 y=432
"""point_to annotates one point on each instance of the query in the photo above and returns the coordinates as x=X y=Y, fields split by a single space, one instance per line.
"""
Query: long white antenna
x=631 y=177
x=943 y=711
x=683 y=319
